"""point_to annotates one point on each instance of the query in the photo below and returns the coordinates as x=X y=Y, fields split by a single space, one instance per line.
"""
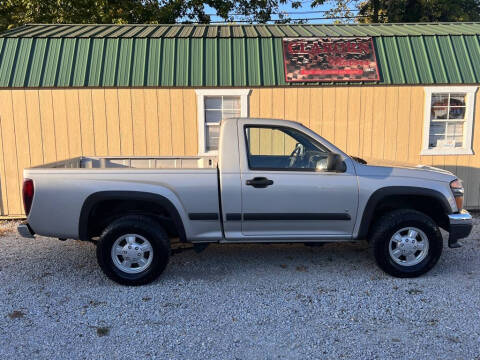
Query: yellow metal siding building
x=388 y=119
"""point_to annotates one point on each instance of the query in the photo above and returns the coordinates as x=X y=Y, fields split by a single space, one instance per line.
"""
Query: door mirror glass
x=335 y=163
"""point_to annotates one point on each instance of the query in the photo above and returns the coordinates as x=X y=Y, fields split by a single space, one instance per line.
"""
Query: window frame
x=201 y=94
x=279 y=127
x=470 y=94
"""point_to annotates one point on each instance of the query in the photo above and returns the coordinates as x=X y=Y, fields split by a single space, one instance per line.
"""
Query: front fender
x=382 y=193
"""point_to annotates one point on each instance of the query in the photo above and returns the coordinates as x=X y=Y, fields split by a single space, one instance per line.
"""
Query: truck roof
x=266 y=121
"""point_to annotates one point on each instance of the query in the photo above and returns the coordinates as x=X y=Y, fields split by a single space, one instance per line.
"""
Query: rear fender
x=101 y=196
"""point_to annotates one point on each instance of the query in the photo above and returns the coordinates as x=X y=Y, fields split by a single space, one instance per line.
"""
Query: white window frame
x=470 y=92
x=243 y=93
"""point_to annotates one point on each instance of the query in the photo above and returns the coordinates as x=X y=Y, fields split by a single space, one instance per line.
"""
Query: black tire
x=143 y=226
x=394 y=221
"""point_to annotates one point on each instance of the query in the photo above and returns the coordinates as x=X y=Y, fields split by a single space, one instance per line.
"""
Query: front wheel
x=406 y=243
x=133 y=250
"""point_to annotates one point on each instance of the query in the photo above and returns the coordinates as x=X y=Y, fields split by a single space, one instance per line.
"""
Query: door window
x=281 y=148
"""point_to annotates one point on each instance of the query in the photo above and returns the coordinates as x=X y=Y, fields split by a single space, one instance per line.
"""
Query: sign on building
x=329 y=59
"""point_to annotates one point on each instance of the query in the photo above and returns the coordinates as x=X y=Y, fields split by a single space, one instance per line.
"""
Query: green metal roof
x=222 y=55
x=238 y=31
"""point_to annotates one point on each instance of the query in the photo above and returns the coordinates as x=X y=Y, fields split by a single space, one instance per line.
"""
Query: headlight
x=458 y=192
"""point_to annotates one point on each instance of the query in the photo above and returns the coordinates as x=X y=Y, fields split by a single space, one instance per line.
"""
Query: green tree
x=404 y=11
x=395 y=11
x=18 y=12
x=14 y=13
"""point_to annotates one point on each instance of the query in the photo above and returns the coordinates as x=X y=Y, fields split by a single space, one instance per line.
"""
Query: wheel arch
x=97 y=198
x=386 y=194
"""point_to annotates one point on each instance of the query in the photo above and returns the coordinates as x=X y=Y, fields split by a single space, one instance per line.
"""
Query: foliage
x=401 y=11
x=18 y=12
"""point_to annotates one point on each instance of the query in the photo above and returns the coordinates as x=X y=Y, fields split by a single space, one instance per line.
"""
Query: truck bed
x=136 y=162
x=62 y=188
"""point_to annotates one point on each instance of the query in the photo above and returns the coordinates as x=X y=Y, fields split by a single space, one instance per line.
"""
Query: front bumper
x=461 y=225
x=25 y=230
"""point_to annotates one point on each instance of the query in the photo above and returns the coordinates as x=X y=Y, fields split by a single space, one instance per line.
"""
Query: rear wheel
x=406 y=243
x=133 y=250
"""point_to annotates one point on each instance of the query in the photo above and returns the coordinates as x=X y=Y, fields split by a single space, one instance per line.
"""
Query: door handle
x=259 y=182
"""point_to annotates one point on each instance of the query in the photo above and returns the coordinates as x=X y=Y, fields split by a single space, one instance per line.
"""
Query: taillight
x=27 y=195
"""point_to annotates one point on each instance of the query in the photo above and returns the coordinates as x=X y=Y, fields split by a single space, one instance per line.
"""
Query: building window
x=213 y=106
x=448 y=120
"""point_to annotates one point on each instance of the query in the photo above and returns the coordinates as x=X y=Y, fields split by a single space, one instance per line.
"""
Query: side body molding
x=97 y=197
x=382 y=193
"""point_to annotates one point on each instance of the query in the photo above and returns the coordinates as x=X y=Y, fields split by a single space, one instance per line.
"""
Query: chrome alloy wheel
x=408 y=246
x=132 y=253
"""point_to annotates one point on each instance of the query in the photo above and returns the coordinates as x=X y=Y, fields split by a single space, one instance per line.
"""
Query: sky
x=294 y=13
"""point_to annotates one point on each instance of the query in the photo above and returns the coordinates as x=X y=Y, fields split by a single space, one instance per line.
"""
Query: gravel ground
x=238 y=302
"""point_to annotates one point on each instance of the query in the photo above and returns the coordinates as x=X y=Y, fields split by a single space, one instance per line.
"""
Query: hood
x=382 y=167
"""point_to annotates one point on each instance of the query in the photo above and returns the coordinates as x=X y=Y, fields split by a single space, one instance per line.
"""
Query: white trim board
x=470 y=92
x=201 y=93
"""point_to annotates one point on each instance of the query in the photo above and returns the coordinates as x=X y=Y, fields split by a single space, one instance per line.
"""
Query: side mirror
x=335 y=163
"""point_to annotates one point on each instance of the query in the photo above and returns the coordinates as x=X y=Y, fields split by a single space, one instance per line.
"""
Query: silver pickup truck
x=273 y=181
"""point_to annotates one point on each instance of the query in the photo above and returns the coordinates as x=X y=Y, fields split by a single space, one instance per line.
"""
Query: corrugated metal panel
x=393 y=60
x=435 y=58
x=106 y=32
x=225 y=61
x=253 y=62
x=239 y=63
x=225 y=32
x=111 y=58
x=196 y=67
x=199 y=31
x=278 y=47
x=20 y=74
x=473 y=52
x=8 y=52
x=212 y=31
x=463 y=59
x=37 y=63
x=167 y=72
x=139 y=62
x=81 y=62
x=269 y=70
x=66 y=62
x=123 y=73
x=421 y=60
x=449 y=59
x=211 y=62
x=173 y=31
x=382 y=59
x=182 y=62
x=198 y=59
x=159 y=32
x=50 y=70
x=81 y=32
x=96 y=65
x=409 y=66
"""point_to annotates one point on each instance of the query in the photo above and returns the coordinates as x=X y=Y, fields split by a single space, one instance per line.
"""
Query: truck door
x=286 y=190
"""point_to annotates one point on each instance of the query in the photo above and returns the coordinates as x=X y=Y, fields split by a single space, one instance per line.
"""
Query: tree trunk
x=375 y=10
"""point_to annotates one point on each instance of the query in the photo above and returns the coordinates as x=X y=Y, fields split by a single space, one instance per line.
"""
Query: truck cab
x=279 y=181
